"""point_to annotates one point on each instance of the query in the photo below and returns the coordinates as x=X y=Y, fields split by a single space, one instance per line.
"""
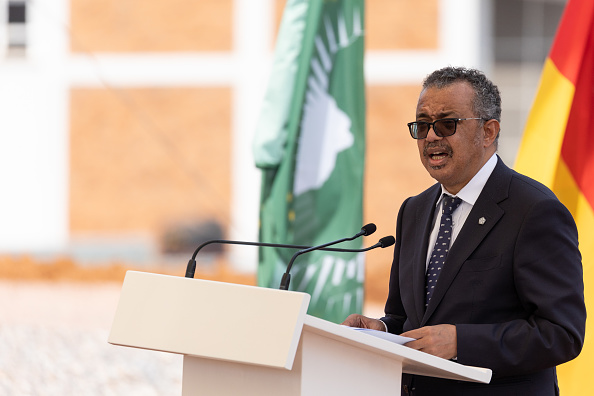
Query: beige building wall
x=393 y=172
x=147 y=159
x=151 y=25
x=143 y=157
x=401 y=25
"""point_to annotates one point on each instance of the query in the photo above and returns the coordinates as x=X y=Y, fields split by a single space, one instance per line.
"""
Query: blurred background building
x=126 y=128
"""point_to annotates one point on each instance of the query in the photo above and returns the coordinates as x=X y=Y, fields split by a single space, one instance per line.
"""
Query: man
x=492 y=279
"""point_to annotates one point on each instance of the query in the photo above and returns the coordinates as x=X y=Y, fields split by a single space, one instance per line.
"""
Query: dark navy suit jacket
x=513 y=286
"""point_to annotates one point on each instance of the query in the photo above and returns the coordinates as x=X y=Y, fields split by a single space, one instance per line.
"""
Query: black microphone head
x=368 y=229
x=387 y=241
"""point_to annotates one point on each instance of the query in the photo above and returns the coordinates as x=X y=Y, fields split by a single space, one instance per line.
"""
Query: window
x=523 y=31
x=17 y=28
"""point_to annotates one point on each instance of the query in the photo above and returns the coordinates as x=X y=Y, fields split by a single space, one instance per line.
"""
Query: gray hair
x=487 y=100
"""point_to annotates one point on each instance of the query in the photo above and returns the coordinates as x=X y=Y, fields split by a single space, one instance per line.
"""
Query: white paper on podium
x=384 y=335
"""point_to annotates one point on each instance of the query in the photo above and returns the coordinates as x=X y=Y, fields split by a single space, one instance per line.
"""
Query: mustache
x=445 y=148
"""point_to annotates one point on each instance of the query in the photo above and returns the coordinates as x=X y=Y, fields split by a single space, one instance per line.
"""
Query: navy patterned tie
x=442 y=245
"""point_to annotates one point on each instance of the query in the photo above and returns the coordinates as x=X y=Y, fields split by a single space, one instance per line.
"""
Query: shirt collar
x=471 y=191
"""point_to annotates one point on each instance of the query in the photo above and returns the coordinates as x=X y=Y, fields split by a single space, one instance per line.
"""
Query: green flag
x=310 y=145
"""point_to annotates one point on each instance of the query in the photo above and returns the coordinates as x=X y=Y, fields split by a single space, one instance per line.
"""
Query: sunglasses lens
x=445 y=127
x=418 y=130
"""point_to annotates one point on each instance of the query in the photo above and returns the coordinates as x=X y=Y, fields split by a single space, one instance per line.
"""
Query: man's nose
x=431 y=135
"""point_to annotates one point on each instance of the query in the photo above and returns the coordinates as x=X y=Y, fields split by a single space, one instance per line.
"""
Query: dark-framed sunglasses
x=442 y=128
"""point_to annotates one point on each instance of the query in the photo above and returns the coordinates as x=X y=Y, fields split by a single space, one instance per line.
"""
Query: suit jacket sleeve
x=549 y=285
x=395 y=313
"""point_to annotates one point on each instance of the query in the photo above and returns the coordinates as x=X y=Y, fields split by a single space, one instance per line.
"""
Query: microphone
x=385 y=242
x=191 y=268
x=367 y=229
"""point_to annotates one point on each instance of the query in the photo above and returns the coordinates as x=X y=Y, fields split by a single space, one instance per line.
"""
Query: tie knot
x=450 y=204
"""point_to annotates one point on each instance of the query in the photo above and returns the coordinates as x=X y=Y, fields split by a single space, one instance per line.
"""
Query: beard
x=440 y=147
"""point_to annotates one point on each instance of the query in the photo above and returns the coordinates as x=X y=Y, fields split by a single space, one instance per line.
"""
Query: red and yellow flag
x=558 y=150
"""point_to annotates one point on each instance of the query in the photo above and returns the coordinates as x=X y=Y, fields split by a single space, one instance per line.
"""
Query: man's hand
x=356 y=320
x=440 y=340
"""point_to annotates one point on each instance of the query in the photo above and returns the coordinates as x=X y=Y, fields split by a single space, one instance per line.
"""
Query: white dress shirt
x=468 y=194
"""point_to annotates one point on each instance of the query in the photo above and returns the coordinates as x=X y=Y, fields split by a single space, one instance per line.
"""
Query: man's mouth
x=437 y=156
x=437 y=153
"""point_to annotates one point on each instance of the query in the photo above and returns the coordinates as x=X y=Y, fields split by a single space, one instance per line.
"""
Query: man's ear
x=491 y=131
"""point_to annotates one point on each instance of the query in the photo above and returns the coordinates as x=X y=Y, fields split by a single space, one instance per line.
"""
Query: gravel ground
x=53 y=341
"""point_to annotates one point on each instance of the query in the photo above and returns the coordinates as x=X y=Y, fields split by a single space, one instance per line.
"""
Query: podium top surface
x=413 y=361
x=245 y=324
x=210 y=319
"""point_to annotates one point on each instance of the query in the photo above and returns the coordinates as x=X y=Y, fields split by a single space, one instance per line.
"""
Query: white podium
x=246 y=340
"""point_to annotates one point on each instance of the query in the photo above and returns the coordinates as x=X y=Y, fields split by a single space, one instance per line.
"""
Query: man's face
x=453 y=160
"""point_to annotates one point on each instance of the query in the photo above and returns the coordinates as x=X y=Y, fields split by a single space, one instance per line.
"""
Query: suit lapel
x=473 y=232
x=424 y=217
